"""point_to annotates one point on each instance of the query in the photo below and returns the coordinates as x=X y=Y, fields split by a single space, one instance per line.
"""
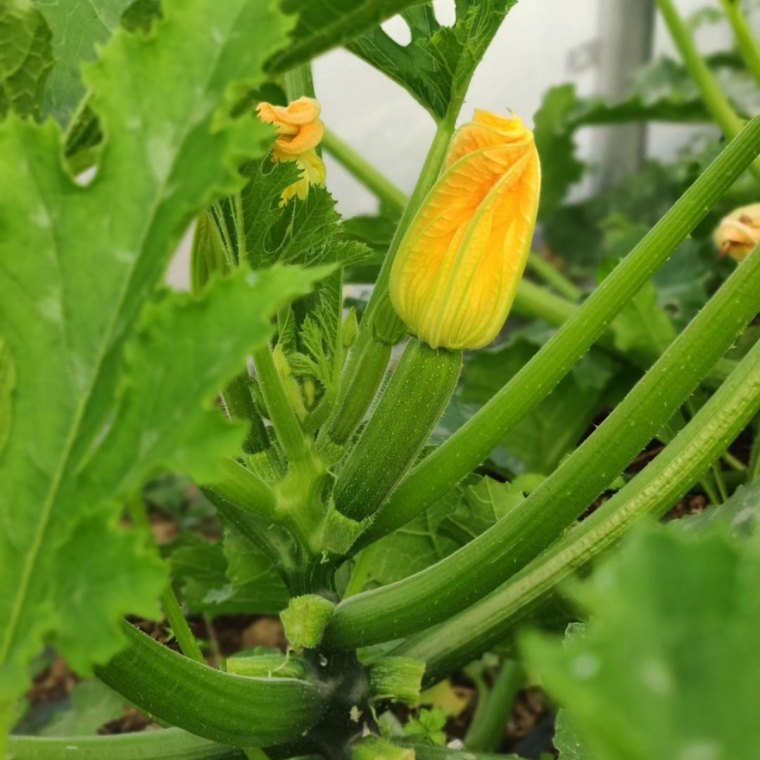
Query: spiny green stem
x=745 y=36
x=653 y=491
x=712 y=94
x=472 y=443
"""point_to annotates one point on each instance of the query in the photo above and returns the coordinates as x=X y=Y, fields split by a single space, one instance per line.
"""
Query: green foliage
x=26 y=57
x=64 y=479
x=428 y=726
x=437 y=65
x=670 y=646
x=539 y=442
x=76 y=28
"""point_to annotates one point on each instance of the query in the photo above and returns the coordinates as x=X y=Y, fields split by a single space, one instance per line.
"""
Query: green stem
x=169 y=744
x=361 y=169
x=552 y=276
x=490 y=720
x=246 y=490
x=427 y=752
x=169 y=601
x=653 y=491
x=432 y=595
x=281 y=413
x=471 y=444
x=712 y=94
x=745 y=37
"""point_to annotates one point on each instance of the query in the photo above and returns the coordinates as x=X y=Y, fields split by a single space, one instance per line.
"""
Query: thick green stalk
x=472 y=443
x=651 y=492
x=246 y=490
x=169 y=744
x=492 y=713
x=712 y=95
x=368 y=175
x=745 y=37
x=441 y=590
x=427 y=752
x=408 y=411
x=284 y=420
x=219 y=706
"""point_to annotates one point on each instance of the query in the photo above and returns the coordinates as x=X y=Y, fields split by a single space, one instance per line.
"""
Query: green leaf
x=306 y=232
x=538 y=443
x=225 y=579
x=667 y=665
x=438 y=63
x=26 y=57
x=554 y=132
x=324 y=24
x=483 y=504
x=77 y=28
x=92 y=705
x=77 y=265
x=7 y=385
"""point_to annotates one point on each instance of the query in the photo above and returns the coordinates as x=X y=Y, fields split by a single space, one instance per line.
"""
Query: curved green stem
x=169 y=744
x=492 y=713
x=229 y=709
x=245 y=490
x=717 y=103
x=472 y=443
x=432 y=595
x=367 y=174
x=745 y=37
x=653 y=491
x=553 y=277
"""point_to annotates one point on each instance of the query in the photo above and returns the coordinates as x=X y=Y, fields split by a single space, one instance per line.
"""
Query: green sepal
x=375 y=748
x=305 y=620
x=227 y=708
x=408 y=411
x=341 y=532
x=398 y=679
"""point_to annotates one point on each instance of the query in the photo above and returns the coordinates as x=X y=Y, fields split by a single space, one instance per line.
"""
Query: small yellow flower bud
x=457 y=270
x=739 y=232
x=299 y=132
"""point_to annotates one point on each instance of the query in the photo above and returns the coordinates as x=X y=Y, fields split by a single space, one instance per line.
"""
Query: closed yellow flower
x=299 y=132
x=739 y=232
x=458 y=268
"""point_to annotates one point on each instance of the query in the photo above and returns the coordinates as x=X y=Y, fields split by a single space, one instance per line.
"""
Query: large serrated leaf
x=323 y=24
x=438 y=63
x=77 y=265
x=77 y=28
x=26 y=57
x=667 y=665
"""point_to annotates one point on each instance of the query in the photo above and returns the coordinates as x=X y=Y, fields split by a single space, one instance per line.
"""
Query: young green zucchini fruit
x=400 y=426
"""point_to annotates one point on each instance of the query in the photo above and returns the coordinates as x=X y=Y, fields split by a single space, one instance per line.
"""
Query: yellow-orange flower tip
x=457 y=270
x=739 y=232
x=299 y=132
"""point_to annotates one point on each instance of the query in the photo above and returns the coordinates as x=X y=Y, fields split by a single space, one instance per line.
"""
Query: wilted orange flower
x=457 y=270
x=739 y=232
x=299 y=132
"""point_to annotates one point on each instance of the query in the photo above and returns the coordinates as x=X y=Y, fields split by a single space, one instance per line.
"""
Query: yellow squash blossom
x=299 y=132
x=739 y=232
x=457 y=270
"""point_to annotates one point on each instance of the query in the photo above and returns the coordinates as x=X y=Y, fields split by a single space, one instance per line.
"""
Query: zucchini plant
x=352 y=487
